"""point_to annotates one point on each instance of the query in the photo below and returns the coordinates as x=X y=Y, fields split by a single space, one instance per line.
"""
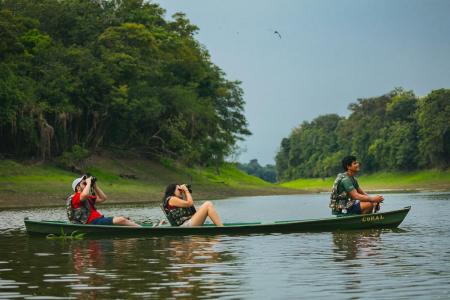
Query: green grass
x=309 y=184
x=23 y=185
x=417 y=180
x=231 y=176
x=28 y=185
x=66 y=237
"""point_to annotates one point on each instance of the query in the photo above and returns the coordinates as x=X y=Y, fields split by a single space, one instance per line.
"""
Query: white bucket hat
x=77 y=182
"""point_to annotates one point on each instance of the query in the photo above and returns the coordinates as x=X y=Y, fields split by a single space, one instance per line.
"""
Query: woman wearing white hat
x=81 y=205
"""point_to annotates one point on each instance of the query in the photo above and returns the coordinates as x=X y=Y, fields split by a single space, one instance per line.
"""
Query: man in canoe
x=178 y=205
x=81 y=205
x=347 y=197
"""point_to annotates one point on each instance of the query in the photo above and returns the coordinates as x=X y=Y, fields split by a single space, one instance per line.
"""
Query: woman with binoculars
x=178 y=205
x=81 y=208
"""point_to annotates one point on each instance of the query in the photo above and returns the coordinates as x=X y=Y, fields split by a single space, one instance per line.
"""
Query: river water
x=412 y=261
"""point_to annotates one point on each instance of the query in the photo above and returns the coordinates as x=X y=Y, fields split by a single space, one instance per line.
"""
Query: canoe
x=388 y=219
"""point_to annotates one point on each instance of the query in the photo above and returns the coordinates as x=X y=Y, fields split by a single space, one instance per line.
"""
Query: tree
x=281 y=160
x=395 y=131
x=305 y=153
x=433 y=118
x=267 y=173
x=102 y=74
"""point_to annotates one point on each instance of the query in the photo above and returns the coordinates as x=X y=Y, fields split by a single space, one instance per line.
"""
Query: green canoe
x=389 y=219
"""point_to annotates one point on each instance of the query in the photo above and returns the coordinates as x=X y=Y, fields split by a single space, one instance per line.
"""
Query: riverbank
x=428 y=180
x=125 y=180
x=136 y=180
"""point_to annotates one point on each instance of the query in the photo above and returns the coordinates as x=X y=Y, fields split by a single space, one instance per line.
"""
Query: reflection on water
x=166 y=267
x=352 y=245
x=410 y=262
x=154 y=267
x=349 y=248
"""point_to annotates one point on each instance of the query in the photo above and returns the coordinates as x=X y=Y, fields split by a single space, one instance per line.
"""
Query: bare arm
x=86 y=191
x=175 y=201
x=363 y=197
x=359 y=190
x=188 y=195
x=101 y=196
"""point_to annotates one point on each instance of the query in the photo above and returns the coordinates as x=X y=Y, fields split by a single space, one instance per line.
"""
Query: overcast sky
x=329 y=54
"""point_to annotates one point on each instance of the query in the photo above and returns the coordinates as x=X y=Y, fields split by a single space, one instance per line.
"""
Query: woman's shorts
x=187 y=223
x=102 y=221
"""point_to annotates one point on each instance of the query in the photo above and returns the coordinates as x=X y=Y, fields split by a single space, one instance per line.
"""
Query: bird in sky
x=277 y=33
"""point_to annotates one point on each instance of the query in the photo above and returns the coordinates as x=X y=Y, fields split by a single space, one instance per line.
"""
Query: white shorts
x=187 y=223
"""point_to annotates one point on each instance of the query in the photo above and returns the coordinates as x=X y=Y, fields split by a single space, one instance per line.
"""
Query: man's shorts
x=355 y=209
x=187 y=223
x=102 y=221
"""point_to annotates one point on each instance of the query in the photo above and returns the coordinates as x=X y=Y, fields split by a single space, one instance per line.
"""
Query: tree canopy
x=98 y=74
x=267 y=173
x=395 y=131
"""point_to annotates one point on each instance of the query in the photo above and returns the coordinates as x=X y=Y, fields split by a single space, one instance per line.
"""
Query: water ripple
x=410 y=262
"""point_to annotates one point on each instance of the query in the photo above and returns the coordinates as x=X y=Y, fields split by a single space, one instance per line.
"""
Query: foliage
x=64 y=237
x=111 y=74
x=307 y=152
x=267 y=173
x=383 y=181
x=434 y=129
x=41 y=184
x=230 y=176
x=74 y=159
x=396 y=131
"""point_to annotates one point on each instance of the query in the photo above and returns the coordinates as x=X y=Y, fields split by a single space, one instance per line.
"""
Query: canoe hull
x=389 y=219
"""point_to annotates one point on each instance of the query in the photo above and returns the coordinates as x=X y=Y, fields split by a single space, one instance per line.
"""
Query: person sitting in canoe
x=81 y=205
x=347 y=197
x=178 y=205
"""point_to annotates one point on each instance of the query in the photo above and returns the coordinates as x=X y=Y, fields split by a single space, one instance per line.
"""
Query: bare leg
x=366 y=208
x=207 y=209
x=124 y=221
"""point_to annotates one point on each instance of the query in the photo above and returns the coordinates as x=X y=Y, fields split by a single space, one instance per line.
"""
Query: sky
x=328 y=54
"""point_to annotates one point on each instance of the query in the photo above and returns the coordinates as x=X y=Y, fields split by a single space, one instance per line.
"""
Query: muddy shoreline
x=14 y=200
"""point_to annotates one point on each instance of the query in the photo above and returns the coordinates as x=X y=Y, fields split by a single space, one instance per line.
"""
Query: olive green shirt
x=347 y=184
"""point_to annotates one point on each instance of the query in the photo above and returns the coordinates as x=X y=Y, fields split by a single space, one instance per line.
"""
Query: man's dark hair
x=347 y=161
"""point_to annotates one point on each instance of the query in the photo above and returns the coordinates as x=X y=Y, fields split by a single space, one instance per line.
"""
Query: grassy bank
x=435 y=180
x=31 y=185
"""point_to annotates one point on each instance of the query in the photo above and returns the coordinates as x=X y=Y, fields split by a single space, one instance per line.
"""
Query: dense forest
x=397 y=131
x=267 y=173
x=79 y=75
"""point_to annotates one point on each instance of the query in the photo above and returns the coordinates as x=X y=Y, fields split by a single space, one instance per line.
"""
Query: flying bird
x=277 y=33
